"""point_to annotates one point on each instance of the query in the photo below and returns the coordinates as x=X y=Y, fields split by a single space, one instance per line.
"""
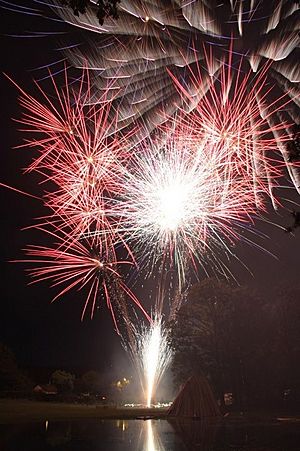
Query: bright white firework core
x=183 y=201
x=171 y=205
x=164 y=196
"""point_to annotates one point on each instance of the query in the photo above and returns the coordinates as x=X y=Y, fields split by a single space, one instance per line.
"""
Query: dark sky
x=39 y=333
x=52 y=335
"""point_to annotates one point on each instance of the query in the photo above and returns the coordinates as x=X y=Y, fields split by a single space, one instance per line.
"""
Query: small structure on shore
x=45 y=389
x=195 y=400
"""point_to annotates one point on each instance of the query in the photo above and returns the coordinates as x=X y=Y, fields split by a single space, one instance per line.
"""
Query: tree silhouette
x=63 y=380
x=219 y=331
x=12 y=379
x=105 y=8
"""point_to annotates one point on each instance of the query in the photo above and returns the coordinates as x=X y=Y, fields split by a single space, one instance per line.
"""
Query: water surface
x=149 y=435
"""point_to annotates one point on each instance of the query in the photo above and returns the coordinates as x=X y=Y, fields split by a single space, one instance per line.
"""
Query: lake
x=148 y=435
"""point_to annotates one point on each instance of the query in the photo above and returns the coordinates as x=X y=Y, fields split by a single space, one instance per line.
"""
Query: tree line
x=14 y=381
x=245 y=343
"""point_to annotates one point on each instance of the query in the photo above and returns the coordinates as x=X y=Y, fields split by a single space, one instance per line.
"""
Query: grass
x=12 y=410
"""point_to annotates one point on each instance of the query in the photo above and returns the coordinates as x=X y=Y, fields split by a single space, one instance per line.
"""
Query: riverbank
x=16 y=410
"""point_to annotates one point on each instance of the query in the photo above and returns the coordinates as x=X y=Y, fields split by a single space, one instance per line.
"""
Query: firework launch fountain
x=152 y=357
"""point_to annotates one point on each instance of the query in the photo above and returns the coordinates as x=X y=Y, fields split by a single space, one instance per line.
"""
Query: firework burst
x=238 y=116
x=83 y=265
x=80 y=165
x=174 y=202
x=80 y=155
x=183 y=201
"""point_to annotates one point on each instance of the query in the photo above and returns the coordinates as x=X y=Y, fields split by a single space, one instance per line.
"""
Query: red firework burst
x=81 y=160
x=239 y=112
x=83 y=265
x=81 y=157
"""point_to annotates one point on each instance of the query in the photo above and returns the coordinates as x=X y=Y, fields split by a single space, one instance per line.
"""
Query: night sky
x=52 y=335
x=40 y=333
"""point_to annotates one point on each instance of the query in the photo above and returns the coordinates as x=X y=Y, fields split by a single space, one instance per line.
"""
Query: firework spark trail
x=152 y=356
x=82 y=266
x=152 y=37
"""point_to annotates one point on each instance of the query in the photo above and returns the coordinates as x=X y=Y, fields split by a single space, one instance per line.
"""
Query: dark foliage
x=89 y=382
x=63 y=380
x=245 y=344
x=296 y=222
x=12 y=379
x=105 y=8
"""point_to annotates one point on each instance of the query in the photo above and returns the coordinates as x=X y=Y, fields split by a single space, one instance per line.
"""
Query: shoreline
x=22 y=410
x=17 y=410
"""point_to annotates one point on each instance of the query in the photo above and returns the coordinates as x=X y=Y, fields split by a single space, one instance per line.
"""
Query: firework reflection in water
x=152 y=442
x=152 y=356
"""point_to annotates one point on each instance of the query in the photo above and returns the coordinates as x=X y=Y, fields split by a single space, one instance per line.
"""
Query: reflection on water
x=58 y=434
x=152 y=442
x=199 y=434
x=122 y=424
x=149 y=435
